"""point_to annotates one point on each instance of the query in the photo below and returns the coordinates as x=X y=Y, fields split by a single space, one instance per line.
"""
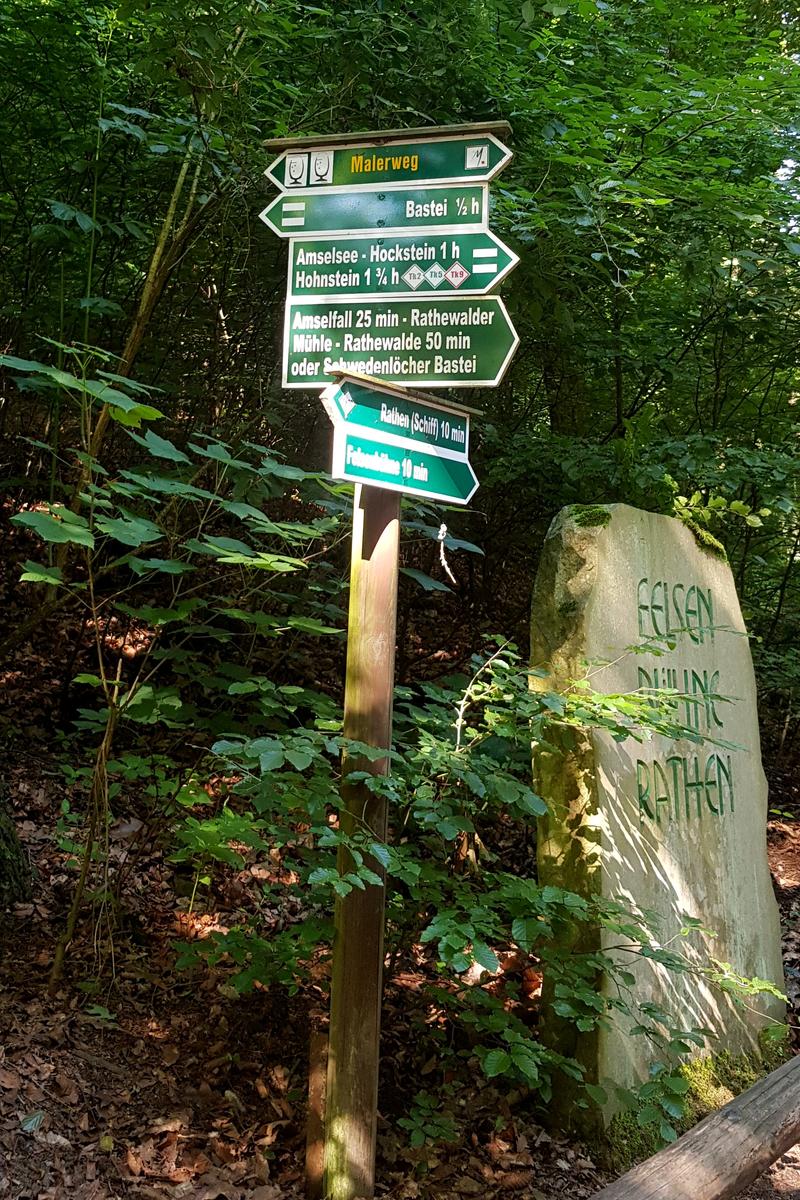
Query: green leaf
x=381 y=853
x=133 y=416
x=132 y=385
x=495 y=1063
x=425 y=581
x=529 y=802
x=525 y=931
x=30 y=367
x=485 y=956
x=59 y=525
x=61 y=211
x=101 y=306
x=300 y=759
x=447 y=829
x=31 y=1122
x=370 y=877
x=598 y=1094
x=677 y=1084
x=648 y=1115
x=162 y=616
x=36 y=573
x=310 y=625
x=131 y=531
x=218 y=453
x=160 y=447
x=168 y=566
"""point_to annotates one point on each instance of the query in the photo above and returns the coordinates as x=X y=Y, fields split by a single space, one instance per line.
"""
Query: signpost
x=390 y=257
x=431 y=475
x=447 y=342
x=470 y=264
x=463 y=157
x=396 y=414
x=375 y=208
x=399 y=441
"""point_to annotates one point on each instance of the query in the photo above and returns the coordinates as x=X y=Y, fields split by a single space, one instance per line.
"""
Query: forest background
x=176 y=558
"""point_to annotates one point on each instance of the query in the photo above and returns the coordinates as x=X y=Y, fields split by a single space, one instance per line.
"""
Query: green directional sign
x=376 y=209
x=463 y=158
x=398 y=265
x=446 y=342
x=403 y=419
x=430 y=474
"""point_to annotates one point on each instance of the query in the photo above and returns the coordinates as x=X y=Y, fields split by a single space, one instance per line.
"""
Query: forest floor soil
x=137 y=1080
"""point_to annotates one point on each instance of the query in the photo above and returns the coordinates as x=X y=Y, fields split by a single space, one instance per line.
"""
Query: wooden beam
x=357 y=967
x=726 y=1151
x=380 y=136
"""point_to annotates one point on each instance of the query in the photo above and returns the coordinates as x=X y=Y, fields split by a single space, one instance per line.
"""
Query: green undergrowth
x=714 y=1080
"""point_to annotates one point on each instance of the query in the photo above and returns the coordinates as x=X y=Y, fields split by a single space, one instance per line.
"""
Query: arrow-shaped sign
x=375 y=209
x=388 y=413
x=463 y=158
x=446 y=342
x=398 y=265
x=435 y=475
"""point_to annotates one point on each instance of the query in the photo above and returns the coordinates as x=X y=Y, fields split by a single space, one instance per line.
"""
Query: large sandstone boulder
x=678 y=828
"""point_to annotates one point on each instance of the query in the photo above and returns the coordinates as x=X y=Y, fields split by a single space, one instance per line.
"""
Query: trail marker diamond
x=414 y=277
x=434 y=275
x=456 y=274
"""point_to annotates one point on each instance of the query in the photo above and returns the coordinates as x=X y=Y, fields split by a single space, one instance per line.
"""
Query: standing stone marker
x=678 y=828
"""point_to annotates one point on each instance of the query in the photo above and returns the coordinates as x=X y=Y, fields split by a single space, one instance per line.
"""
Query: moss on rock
x=714 y=1080
x=587 y=515
x=706 y=539
x=627 y=1142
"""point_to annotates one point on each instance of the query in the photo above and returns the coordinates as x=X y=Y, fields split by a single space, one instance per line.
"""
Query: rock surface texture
x=678 y=828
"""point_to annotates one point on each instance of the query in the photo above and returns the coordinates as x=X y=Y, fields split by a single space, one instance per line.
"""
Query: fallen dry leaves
x=186 y=1092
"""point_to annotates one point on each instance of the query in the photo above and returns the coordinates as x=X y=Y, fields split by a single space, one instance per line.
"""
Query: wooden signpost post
x=390 y=257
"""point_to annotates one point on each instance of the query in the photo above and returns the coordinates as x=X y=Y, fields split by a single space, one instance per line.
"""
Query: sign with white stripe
x=376 y=209
x=398 y=265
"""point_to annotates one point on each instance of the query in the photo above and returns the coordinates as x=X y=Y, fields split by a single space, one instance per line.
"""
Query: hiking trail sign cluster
x=391 y=257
